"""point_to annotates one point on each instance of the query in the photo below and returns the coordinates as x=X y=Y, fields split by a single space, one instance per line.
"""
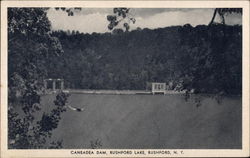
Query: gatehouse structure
x=158 y=87
x=54 y=82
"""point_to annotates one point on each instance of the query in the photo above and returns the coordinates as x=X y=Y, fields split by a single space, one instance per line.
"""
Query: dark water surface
x=149 y=121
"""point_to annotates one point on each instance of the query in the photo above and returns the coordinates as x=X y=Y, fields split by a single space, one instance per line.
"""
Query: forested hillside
x=206 y=58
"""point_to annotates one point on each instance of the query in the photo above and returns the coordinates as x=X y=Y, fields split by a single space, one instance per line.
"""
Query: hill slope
x=205 y=58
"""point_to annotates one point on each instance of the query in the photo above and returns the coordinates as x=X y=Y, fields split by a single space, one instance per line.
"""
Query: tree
x=69 y=11
x=184 y=55
x=121 y=15
x=117 y=31
x=30 y=45
x=224 y=11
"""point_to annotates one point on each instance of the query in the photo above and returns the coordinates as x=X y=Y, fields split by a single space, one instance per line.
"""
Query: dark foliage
x=204 y=58
x=120 y=15
x=30 y=48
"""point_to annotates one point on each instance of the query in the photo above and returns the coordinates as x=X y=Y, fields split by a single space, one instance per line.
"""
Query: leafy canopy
x=30 y=45
x=120 y=16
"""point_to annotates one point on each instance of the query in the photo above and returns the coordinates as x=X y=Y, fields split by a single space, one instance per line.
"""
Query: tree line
x=204 y=58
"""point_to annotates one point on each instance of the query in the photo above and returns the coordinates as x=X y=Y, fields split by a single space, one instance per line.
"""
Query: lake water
x=149 y=121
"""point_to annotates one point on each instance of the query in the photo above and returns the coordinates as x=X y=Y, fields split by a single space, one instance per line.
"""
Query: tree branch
x=214 y=15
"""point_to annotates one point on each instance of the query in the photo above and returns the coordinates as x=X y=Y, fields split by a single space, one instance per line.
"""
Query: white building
x=158 y=87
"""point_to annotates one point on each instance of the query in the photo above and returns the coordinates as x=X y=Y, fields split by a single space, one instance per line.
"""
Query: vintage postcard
x=124 y=79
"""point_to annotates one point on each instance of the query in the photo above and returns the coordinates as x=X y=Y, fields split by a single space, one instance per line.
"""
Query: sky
x=90 y=20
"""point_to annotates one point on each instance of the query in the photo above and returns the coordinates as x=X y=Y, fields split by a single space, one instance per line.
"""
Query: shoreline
x=131 y=92
x=117 y=92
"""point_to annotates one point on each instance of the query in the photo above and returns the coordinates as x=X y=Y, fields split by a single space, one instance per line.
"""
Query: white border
x=142 y=4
